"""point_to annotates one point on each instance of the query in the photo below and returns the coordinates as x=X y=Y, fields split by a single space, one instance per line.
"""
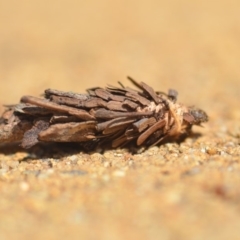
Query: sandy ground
x=186 y=191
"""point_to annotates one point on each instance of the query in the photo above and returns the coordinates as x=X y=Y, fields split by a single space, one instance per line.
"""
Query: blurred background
x=192 y=46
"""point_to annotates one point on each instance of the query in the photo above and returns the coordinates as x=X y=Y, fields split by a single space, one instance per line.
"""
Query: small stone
x=74 y=172
x=73 y=158
x=3 y=172
x=119 y=173
x=97 y=157
x=130 y=162
x=24 y=186
x=203 y=150
x=13 y=164
x=4 y=166
x=106 y=164
x=211 y=150
x=108 y=154
x=118 y=154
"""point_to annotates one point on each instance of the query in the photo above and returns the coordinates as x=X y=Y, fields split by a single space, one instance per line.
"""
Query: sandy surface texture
x=186 y=191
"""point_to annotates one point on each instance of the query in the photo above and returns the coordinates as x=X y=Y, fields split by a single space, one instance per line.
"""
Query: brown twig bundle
x=112 y=116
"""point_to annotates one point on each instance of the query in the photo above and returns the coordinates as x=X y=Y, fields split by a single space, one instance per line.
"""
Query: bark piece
x=82 y=114
x=69 y=132
x=30 y=137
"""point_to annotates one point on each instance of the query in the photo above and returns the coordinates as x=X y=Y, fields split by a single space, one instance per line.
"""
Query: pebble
x=108 y=154
x=24 y=186
x=211 y=150
x=74 y=172
x=4 y=166
x=119 y=173
x=117 y=154
x=203 y=150
x=73 y=158
x=97 y=157
x=106 y=164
